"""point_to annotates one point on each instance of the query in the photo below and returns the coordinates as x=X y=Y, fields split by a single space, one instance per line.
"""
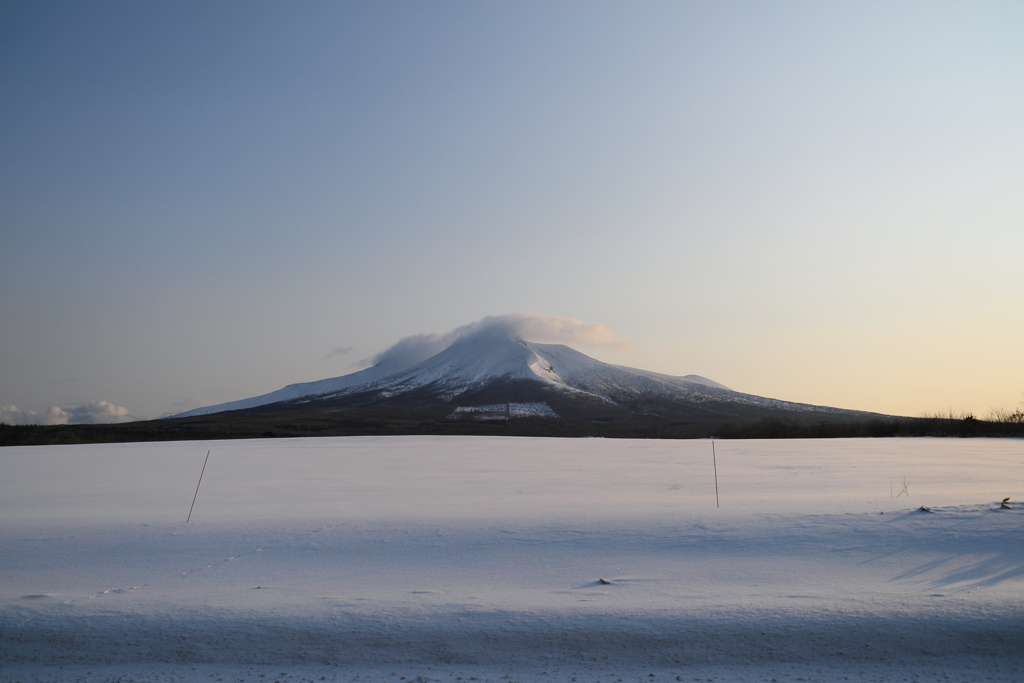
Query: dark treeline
x=256 y=424
x=940 y=426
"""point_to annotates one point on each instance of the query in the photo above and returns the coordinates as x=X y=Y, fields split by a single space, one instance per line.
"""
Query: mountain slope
x=491 y=367
x=298 y=391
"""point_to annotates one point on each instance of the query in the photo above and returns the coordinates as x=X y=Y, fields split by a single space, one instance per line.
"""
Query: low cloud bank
x=535 y=327
x=13 y=415
x=93 y=412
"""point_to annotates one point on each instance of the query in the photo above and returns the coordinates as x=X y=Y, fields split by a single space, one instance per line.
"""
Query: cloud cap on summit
x=535 y=327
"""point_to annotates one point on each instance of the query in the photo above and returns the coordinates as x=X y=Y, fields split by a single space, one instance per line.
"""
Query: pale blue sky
x=821 y=202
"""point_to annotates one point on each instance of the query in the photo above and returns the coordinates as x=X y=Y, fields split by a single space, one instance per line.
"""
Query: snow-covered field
x=460 y=559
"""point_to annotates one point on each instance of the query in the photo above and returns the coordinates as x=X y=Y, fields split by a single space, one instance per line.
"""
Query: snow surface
x=501 y=411
x=448 y=558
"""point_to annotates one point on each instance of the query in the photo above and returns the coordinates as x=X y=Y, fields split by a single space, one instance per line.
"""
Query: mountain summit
x=491 y=368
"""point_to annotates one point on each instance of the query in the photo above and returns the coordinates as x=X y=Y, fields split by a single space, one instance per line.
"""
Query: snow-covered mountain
x=491 y=366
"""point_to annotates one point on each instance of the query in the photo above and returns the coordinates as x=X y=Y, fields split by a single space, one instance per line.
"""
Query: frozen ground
x=383 y=559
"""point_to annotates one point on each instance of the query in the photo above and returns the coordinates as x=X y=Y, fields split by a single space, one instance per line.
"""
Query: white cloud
x=54 y=416
x=97 y=412
x=413 y=349
x=535 y=327
x=12 y=415
x=93 y=412
x=538 y=327
x=340 y=351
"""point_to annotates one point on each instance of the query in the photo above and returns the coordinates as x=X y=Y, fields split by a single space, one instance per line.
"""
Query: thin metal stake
x=713 y=462
x=201 y=481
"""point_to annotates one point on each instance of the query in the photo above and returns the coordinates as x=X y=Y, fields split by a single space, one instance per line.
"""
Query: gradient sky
x=815 y=201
